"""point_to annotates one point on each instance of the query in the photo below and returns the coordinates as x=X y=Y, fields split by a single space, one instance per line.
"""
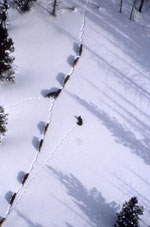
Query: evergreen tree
x=3 y=12
x=129 y=215
x=6 y=47
x=3 y=122
x=23 y=6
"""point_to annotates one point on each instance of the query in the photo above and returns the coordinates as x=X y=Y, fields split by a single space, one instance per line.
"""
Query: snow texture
x=90 y=62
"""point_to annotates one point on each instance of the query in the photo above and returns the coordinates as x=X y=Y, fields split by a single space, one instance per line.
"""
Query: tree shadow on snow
x=91 y=202
x=137 y=123
x=121 y=134
x=68 y=225
x=27 y=220
x=121 y=31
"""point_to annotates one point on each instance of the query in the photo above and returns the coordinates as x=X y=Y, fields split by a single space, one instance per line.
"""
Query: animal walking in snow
x=57 y=93
x=53 y=94
x=79 y=121
x=80 y=50
x=40 y=145
x=75 y=62
x=13 y=198
x=25 y=178
x=66 y=80
x=2 y=221
x=46 y=128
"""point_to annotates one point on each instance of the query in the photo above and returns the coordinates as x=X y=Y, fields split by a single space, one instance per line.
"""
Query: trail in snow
x=44 y=164
x=81 y=34
x=33 y=162
x=22 y=101
x=50 y=110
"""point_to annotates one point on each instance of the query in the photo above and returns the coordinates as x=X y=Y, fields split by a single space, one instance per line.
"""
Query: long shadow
x=27 y=220
x=133 y=191
x=127 y=100
x=91 y=202
x=137 y=175
x=141 y=126
x=121 y=134
x=125 y=61
x=130 y=83
x=68 y=224
x=122 y=30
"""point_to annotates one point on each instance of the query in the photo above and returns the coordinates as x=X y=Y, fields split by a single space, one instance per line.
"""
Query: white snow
x=83 y=174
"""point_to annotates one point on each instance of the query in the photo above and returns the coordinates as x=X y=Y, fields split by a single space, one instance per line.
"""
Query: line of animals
x=54 y=95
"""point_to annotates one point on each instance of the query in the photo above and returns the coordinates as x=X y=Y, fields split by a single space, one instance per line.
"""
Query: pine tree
x=3 y=11
x=23 y=6
x=3 y=122
x=129 y=215
x=6 y=47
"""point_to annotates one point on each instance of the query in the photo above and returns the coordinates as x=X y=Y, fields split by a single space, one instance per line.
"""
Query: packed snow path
x=105 y=160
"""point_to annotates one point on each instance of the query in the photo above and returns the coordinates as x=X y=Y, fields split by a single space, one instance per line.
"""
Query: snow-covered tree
x=3 y=122
x=6 y=48
x=23 y=6
x=129 y=215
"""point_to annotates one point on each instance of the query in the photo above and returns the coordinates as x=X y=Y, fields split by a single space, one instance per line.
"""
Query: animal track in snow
x=44 y=164
x=22 y=101
x=25 y=182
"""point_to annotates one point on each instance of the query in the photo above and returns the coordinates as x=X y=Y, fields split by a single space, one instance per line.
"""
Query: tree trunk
x=54 y=8
x=141 y=6
x=133 y=6
x=121 y=2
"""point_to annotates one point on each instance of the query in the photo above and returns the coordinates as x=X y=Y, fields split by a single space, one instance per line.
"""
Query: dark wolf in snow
x=40 y=145
x=53 y=94
x=25 y=178
x=66 y=80
x=2 y=221
x=79 y=121
x=46 y=128
x=80 y=50
x=75 y=62
x=13 y=198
